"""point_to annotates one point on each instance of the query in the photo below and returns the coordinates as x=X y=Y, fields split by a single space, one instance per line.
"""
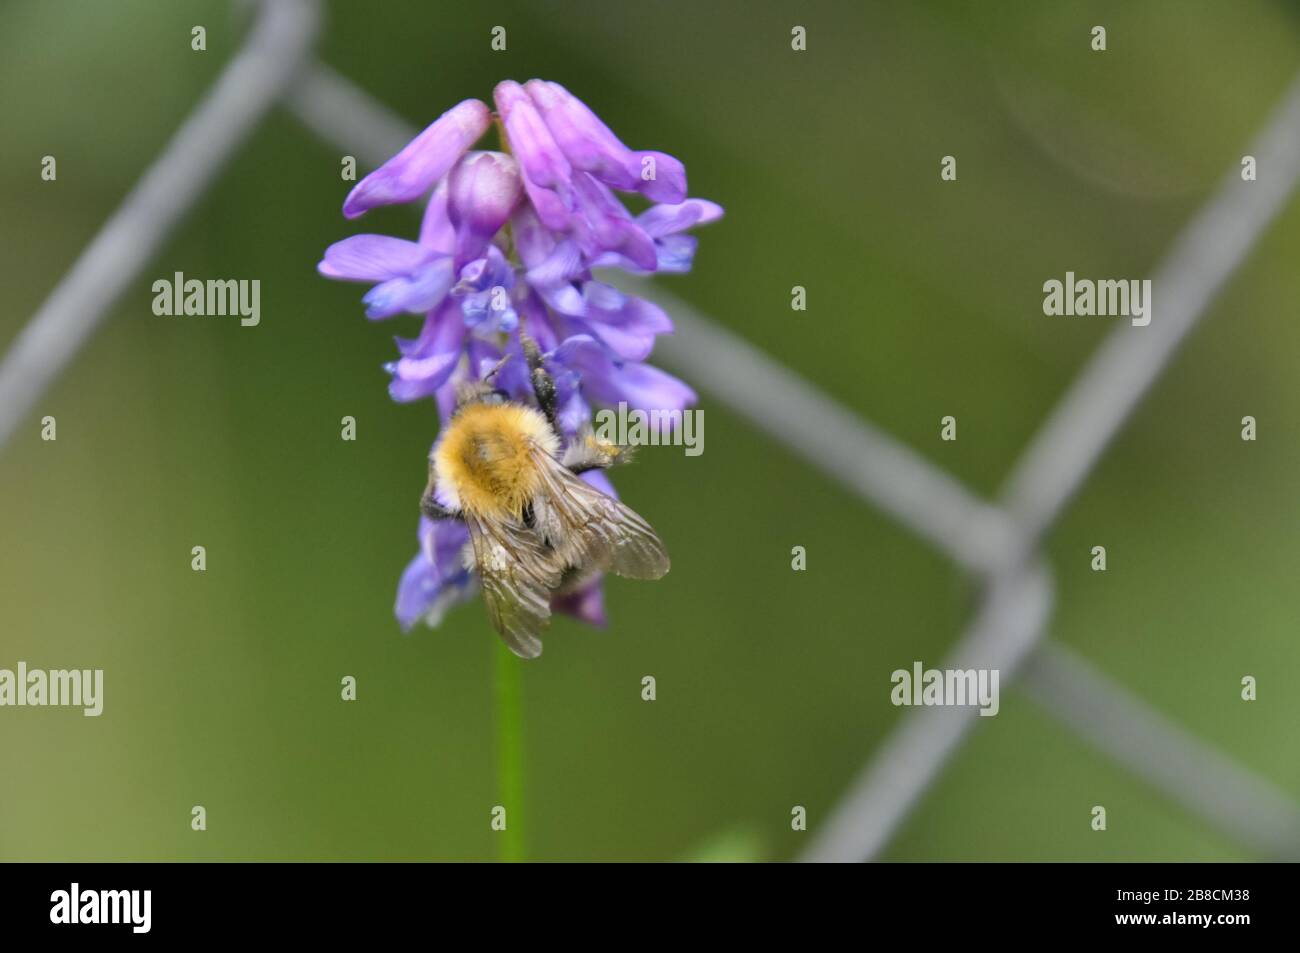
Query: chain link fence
x=997 y=541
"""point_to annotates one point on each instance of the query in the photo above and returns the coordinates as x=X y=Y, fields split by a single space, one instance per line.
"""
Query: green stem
x=510 y=750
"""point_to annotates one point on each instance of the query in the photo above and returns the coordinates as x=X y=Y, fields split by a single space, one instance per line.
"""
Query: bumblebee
x=536 y=529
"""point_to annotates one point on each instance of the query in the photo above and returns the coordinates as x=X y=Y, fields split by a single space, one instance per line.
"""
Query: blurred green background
x=222 y=688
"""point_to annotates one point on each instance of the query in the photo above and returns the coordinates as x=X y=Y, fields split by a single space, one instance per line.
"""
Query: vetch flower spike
x=508 y=244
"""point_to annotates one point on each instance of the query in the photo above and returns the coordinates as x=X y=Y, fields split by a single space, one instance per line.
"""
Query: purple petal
x=483 y=189
x=424 y=161
x=586 y=142
x=649 y=388
x=537 y=321
x=436 y=578
x=600 y=480
x=572 y=411
x=586 y=604
x=663 y=178
x=676 y=253
x=437 y=326
x=626 y=324
x=445 y=397
x=533 y=240
x=420 y=292
x=604 y=225
x=606 y=298
x=562 y=298
x=553 y=278
x=407 y=391
x=591 y=146
x=611 y=259
x=483 y=274
x=550 y=207
x=513 y=377
x=609 y=381
x=443 y=544
x=629 y=345
x=661 y=220
x=530 y=140
x=436 y=230
x=428 y=363
x=546 y=172
x=563 y=264
x=416 y=592
x=372 y=258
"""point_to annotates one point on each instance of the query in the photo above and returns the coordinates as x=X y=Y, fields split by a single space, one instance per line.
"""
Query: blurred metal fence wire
x=997 y=542
x=281 y=39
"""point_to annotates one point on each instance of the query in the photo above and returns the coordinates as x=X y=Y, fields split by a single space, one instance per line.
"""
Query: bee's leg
x=589 y=452
x=435 y=510
x=543 y=383
x=544 y=388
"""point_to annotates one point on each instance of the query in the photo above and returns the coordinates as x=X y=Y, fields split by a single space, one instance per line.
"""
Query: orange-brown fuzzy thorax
x=484 y=460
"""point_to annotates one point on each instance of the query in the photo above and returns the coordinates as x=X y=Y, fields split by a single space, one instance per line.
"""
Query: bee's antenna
x=493 y=373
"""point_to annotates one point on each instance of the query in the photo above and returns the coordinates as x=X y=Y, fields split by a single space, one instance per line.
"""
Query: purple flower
x=584 y=363
x=426 y=159
x=674 y=251
x=590 y=146
x=484 y=291
x=407 y=276
x=482 y=190
x=508 y=242
x=427 y=362
x=436 y=578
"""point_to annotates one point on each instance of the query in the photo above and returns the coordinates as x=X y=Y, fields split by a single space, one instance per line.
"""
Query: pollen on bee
x=606 y=447
x=484 y=459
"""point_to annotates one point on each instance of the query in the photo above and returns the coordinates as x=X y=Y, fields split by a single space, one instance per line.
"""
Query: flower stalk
x=510 y=749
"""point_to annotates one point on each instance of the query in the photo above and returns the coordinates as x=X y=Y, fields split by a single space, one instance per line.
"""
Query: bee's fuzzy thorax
x=483 y=459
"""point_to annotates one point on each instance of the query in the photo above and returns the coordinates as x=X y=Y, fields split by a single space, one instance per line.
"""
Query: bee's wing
x=589 y=529
x=518 y=574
